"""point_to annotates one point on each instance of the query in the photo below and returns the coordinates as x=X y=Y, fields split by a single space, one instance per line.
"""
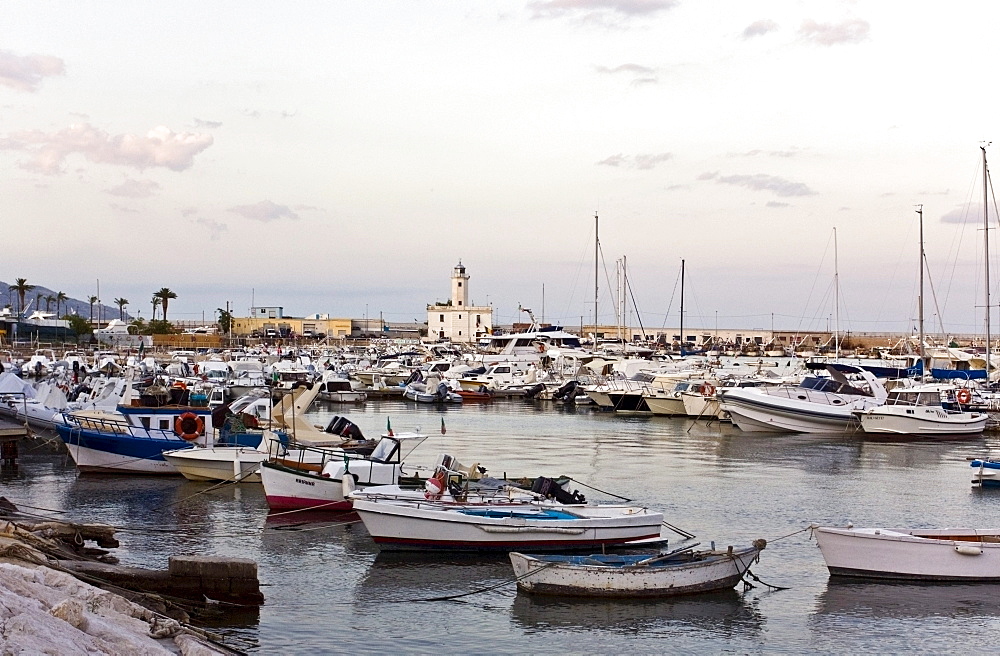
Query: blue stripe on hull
x=147 y=448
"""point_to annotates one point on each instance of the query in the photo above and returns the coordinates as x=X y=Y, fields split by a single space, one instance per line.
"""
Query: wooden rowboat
x=680 y=572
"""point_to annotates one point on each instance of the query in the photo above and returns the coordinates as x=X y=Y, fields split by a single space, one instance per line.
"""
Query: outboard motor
x=442 y=392
x=567 y=391
x=549 y=489
x=534 y=391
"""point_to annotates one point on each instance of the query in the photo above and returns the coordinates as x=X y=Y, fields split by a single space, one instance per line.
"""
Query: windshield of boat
x=384 y=450
x=832 y=386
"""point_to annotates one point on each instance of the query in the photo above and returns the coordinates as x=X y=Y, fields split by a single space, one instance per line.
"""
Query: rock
x=70 y=610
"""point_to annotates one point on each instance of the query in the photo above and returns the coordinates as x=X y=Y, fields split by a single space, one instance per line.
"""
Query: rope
x=610 y=494
x=757 y=579
x=479 y=590
x=801 y=530
x=229 y=481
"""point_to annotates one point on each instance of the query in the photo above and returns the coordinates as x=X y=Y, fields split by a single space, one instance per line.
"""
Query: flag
x=388 y=427
x=443 y=431
x=142 y=346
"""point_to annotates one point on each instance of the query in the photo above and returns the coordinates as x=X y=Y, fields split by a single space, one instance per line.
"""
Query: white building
x=457 y=320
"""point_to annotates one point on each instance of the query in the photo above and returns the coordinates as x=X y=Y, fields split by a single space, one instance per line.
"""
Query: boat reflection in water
x=395 y=576
x=853 y=602
x=725 y=614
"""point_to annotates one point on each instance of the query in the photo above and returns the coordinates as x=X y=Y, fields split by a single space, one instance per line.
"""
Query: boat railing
x=119 y=426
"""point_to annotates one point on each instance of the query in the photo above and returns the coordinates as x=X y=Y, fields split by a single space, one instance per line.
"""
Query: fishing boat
x=452 y=514
x=932 y=409
x=679 y=572
x=951 y=554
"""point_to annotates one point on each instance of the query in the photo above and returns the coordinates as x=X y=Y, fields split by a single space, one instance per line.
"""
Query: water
x=328 y=588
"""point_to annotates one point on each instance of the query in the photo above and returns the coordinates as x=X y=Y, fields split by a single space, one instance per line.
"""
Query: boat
x=335 y=389
x=932 y=409
x=680 y=572
x=951 y=554
x=433 y=391
x=453 y=513
x=988 y=472
x=819 y=404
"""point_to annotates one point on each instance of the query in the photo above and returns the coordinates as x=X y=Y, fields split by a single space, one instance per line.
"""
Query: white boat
x=449 y=515
x=960 y=554
x=680 y=572
x=922 y=410
x=338 y=390
x=817 y=405
x=433 y=391
x=117 y=334
x=220 y=463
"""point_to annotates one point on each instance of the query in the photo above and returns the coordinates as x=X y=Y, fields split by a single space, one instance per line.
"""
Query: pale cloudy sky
x=342 y=157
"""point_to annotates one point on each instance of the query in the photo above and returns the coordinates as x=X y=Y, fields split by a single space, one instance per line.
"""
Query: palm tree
x=49 y=300
x=92 y=300
x=121 y=303
x=165 y=294
x=156 y=304
x=22 y=287
x=60 y=297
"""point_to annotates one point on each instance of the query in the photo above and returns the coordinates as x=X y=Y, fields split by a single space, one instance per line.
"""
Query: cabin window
x=145 y=422
x=164 y=424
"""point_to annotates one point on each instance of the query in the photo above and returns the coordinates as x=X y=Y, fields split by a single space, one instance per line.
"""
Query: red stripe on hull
x=297 y=503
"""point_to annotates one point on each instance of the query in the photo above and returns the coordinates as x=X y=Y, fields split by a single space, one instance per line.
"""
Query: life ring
x=180 y=384
x=708 y=389
x=189 y=426
x=964 y=396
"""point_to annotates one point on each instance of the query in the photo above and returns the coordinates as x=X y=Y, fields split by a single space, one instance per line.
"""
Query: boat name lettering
x=299 y=480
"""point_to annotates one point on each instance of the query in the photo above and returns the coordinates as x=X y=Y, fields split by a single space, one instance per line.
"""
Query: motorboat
x=933 y=409
x=453 y=513
x=951 y=554
x=819 y=404
x=987 y=472
x=680 y=572
x=336 y=389
x=433 y=391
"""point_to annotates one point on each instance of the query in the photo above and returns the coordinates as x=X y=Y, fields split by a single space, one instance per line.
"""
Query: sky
x=342 y=157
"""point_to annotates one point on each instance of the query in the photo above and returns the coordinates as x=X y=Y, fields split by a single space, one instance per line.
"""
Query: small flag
x=388 y=426
x=443 y=431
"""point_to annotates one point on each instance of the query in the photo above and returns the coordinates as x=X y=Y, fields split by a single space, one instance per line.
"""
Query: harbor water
x=329 y=590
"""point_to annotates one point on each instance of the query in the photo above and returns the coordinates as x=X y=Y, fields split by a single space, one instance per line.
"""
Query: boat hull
x=290 y=489
x=756 y=414
x=418 y=527
x=599 y=576
x=921 y=420
x=918 y=555
x=217 y=463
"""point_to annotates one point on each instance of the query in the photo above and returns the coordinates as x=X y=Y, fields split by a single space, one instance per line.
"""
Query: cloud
x=26 y=73
x=135 y=188
x=264 y=211
x=853 y=30
x=211 y=125
x=215 y=228
x=774 y=203
x=759 y=28
x=711 y=175
x=968 y=214
x=626 y=68
x=159 y=147
x=189 y=211
x=599 y=10
x=770 y=153
x=123 y=208
x=762 y=182
x=642 y=161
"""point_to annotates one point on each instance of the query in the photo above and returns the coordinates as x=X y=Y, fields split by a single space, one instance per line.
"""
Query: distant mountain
x=69 y=306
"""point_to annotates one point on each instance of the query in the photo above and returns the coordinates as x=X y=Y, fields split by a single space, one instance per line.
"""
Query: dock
x=10 y=433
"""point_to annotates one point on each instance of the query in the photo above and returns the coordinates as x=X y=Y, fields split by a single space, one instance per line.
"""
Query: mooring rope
x=610 y=494
x=478 y=590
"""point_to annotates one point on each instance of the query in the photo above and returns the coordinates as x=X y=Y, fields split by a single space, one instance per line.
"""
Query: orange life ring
x=189 y=426
x=964 y=396
x=708 y=389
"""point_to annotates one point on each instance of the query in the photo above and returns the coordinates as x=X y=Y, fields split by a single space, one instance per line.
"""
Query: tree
x=49 y=300
x=38 y=301
x=156 y=304
x=121 y=303
x=225 y=320
x=22 y=287
x=60 y=298
x=92 y=300
x=165 y=294
x=79 y=325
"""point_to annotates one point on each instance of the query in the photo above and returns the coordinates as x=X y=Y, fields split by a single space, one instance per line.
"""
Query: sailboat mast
x=920 y=297
x=597 y=257
x=682 y=308
x=986 y=255
x=836 y=297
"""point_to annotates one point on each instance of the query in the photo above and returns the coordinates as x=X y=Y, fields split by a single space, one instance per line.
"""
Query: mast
x=597 y=257
x=986 y=256
x=836 y=298
x=920 y=296
x=682 y=308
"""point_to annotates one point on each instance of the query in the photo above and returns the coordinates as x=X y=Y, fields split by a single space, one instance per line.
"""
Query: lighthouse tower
x=458 y=320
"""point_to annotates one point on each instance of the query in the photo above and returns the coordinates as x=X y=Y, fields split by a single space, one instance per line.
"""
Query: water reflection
x=418 y=576
x=861 y=600
x=724 y=614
